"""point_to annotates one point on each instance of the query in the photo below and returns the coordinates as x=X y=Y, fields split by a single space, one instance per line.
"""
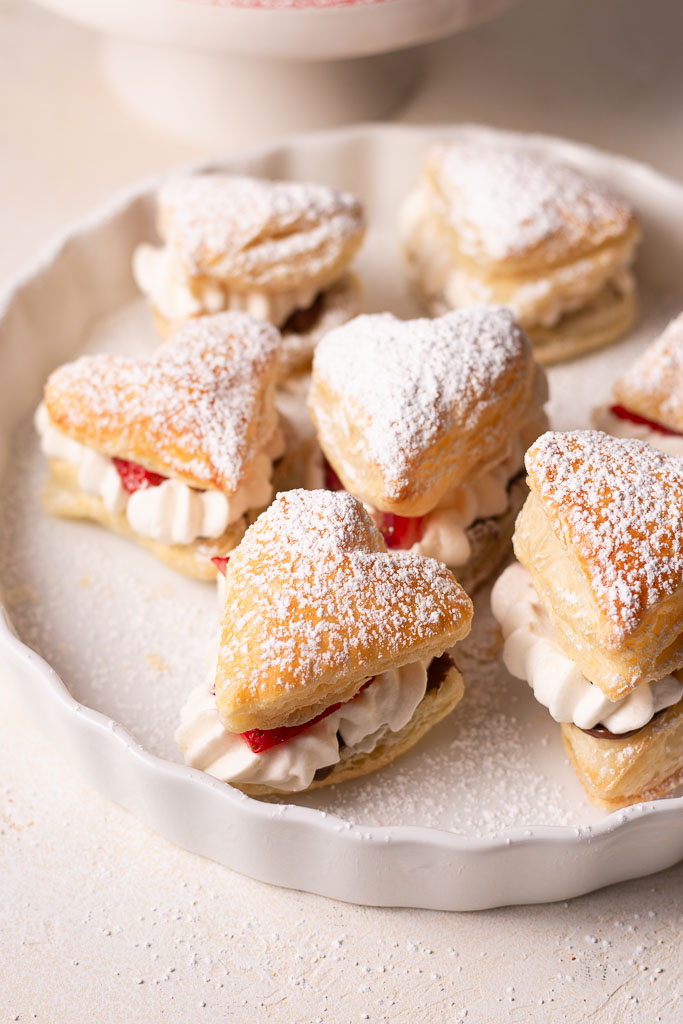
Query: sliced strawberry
x=260 y=740
x=221 y=563
x=625 y=414
x=135 y=477
x=400 y=531
x=332 y=481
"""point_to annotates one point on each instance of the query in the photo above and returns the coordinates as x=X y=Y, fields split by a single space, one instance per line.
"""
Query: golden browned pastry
x=277 y=250
x=332 y=650
x=426 y=421
x=175 y=450
x=648 y=396
x=501 y=223
x=592 y=618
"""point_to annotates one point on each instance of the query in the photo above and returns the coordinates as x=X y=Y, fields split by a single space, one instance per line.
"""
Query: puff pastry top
x=254 y=233
x=617 y=507
x=315 y=606
x=406 y=410
x=653 y=386
x=513 y=206
x=200 y=409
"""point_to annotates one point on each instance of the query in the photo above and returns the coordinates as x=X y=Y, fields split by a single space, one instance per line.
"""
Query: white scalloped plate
x=485 y=811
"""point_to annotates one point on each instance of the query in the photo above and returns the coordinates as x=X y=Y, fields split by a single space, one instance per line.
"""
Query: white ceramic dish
x=485 y=811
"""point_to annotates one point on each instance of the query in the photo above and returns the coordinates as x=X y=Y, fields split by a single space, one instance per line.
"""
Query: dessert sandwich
x=426 y=422
x=174 y=451
x=498 y=223
x=648 y=397
x=278 y=250
x=592 y=614
x=332 y=652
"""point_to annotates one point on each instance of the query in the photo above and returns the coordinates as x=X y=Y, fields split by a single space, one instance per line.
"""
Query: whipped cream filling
x=531 y=652
x=606 y=421
x=541 y=301
x=386 y=705
x=171 y=512
x=176 y=295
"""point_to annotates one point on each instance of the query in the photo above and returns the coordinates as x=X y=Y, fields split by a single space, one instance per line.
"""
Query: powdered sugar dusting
x=261 y=230
x=312 y=588
x=618 y=504
x=653 y=385
x=201 y=408
x=505 y=201
x=406 y=384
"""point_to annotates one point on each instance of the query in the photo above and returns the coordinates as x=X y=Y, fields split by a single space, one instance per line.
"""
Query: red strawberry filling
x=260 y=740
x=398 y=531
x=221 y=563
x=135 y=477
x=625 y=414
x=332 y=481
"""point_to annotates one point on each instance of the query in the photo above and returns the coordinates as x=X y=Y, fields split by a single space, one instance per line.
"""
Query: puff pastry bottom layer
x=62 y=497
x=339 y=302
x=618 y=772
x=490 y=539
x=607 y=317
x=435 y=705
x=602 y=321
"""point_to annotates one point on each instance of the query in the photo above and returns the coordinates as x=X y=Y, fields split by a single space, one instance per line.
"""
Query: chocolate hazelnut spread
x=302 y=320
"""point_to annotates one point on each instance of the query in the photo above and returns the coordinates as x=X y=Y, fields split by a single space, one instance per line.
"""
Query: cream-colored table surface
x=103 y=921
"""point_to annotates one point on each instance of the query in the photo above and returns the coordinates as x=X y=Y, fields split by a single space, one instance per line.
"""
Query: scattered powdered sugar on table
x=505 y=201
x=405 y=385
x=618 y=505
x=201 y=407
x=255 y=228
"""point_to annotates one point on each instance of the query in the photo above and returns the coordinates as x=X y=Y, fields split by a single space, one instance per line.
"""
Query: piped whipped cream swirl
x=387 y=704
x=171 y=512
x=531 y=652
x=163 y=279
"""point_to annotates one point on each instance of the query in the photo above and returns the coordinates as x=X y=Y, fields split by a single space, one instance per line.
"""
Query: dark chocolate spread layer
x=603 y=733
x=302 y=320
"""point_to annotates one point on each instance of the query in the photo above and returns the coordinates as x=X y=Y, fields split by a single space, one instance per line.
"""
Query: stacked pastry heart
x=330 y=652
x=427 y=421
x=495 y=222
x=278 y=250
x=593 y=620
x=172 y=450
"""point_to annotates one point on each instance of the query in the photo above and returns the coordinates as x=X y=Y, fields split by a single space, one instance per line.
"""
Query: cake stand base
x=225 y=101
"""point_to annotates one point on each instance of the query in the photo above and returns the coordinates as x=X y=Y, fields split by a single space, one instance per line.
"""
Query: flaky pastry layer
x=618 y=772
x=200 y=409
x=407 y=410
x=252 y=233
x=516 y=212
x=315 y=606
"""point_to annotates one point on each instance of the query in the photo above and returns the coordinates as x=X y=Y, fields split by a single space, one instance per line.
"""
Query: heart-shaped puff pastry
x=407 y=410
x=200 y=409
x=315 y=606
x=602 y=535
x=255 y=234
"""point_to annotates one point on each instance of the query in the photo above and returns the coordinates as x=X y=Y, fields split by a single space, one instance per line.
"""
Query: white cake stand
x=213 y=71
